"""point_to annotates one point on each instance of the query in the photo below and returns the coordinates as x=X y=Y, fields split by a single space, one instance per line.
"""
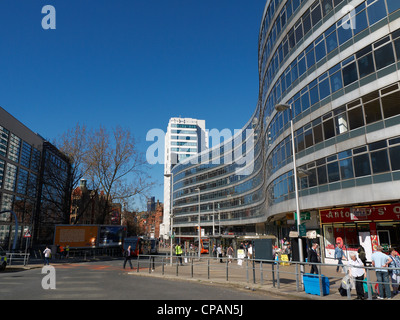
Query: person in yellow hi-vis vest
x=178 y=252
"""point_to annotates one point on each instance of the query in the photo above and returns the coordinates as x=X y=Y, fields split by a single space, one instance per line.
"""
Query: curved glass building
x=336 y=63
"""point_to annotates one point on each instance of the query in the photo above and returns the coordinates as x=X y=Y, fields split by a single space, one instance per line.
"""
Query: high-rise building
x=333 y=67
x=185 y=137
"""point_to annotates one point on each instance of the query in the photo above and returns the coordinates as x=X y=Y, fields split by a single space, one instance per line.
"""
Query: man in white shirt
x=357 y=272
x=47 y=255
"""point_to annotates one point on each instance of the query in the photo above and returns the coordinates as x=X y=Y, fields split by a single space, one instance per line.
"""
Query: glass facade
x=25 y=162
x=336 y=63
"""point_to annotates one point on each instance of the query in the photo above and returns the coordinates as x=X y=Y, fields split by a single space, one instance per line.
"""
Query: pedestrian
x=219 y=253
x=230 y=253
x=67 y=251
x=362 y=255
x=178 y=252
x=380 y=261
x=47 y=255
x=395 y=274
x=250 y=251
x=357 y=272
x=128 y=256
x=339 y=255
x=313 y=256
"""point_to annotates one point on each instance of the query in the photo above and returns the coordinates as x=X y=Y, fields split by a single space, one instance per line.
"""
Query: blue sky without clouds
x=130 y=63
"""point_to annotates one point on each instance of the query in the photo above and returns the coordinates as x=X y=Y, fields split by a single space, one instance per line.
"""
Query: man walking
x=47 y=255
x=128 y=256
x=339 y=255
x=379 y=261
x=313 y=256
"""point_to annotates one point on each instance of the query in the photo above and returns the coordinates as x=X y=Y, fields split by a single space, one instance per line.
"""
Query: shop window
x=362 y=165
x=372 y=111
x=384 y=56
x=395 y=157
x=380 y=161
x=356 y=118
x=391 y=105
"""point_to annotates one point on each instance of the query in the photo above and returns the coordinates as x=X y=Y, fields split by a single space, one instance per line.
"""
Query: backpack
x=362 y=257
x=343 y=291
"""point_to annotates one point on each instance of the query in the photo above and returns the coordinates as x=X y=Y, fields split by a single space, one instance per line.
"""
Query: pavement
x=267 y=277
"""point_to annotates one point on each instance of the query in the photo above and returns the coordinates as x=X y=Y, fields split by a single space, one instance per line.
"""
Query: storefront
x=366 y=226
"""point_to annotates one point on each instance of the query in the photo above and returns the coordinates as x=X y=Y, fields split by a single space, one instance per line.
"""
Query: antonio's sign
x=379 y=212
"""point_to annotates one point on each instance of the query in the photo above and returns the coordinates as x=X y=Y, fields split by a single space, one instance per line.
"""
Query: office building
x=185 y=137
x=336 y=63
x=33 y=180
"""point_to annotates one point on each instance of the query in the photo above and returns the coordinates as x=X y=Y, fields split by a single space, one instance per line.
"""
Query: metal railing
x=17 y=256
x=278 y=274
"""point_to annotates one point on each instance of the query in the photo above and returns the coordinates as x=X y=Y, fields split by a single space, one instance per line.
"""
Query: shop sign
x=380 y=212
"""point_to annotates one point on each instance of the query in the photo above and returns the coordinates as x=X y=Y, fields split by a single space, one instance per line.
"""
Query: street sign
x=306 y=215
x=27 y=234
x=303 y=230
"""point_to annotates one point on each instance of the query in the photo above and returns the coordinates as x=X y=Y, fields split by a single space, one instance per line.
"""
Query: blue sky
x=130 y=63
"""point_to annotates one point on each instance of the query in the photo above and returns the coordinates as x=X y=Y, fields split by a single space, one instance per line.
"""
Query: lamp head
x=282 y=107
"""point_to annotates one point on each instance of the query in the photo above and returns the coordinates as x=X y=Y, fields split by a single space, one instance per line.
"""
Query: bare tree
x=74 y=145
x=117 y=167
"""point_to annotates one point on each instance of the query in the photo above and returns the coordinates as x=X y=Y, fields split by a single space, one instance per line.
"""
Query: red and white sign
x=27 y=234
x=380 y=212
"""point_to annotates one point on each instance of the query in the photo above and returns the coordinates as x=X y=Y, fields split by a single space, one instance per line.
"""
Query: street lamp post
x=281 y=108
x=199 y=248
x=171 y=215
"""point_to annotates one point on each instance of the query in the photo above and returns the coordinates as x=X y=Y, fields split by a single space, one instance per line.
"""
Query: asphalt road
x=106 y=280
